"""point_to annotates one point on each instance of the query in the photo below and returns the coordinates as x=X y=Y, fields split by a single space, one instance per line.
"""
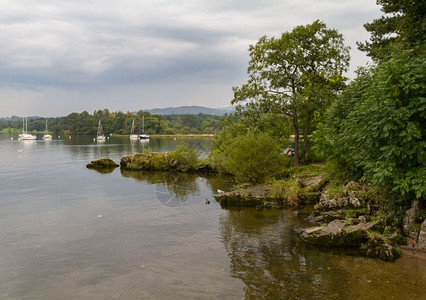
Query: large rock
x=381 y=247
x=313 y=182
x=326 y=203
x=362 y=235
x=338 y=233
x=421 y=244
x=409 y=222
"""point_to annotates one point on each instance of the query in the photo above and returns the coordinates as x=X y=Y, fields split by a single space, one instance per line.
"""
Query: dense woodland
x=119 y=123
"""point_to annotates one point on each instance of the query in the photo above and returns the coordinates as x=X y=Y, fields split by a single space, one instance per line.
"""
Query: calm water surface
x=67 y=232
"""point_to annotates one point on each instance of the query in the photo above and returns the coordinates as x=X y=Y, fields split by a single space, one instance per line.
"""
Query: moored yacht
x=143 y=136
x=46 y=135
x=133 y=135
x=25 y=135
x=99 y=135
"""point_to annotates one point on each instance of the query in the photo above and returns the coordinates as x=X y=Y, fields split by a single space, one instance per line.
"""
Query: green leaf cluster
x=251 y=157
x=377 y=128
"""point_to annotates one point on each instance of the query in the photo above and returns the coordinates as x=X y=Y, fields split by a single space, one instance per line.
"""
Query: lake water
x=67 y=232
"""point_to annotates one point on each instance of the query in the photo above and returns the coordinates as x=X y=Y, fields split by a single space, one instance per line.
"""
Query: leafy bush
x=251 y=158
x=186 y=159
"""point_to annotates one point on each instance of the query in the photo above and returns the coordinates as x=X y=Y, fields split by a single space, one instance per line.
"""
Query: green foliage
x=377 y=128
x=296 y=76
x=183 y=159
x=252 y=157
x=187 y=159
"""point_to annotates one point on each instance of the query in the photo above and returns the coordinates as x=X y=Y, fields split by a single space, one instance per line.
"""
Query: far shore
x=174 y=135
x=16 y=131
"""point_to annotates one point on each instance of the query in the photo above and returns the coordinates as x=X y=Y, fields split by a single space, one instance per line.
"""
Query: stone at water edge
x=422 y=237
x=102 y=163
x=410 y=220
x=338 y=233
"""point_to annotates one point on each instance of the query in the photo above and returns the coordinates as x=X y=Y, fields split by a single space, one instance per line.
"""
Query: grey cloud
x=94 y=45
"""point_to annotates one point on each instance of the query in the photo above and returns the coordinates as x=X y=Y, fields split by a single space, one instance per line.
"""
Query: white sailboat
x=25 y=135
x=143 y=136
x=133 y=135
x=46 y=135
x=99 y=135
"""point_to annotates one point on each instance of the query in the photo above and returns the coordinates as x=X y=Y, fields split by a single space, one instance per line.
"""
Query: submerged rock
x=102 y=163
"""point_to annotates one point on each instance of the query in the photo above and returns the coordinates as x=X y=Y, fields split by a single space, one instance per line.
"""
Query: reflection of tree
x=103 y=170
x=270 y=259
x=177 y=184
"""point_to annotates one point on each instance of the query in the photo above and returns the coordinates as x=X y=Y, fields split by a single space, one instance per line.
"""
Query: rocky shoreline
x=351 y=217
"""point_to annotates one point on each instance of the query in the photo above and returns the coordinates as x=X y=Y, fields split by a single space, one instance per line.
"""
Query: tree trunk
x=305 y=139
x=296 y=138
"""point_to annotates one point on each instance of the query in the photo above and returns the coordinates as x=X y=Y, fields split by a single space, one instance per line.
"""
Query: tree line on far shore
x=118 y=123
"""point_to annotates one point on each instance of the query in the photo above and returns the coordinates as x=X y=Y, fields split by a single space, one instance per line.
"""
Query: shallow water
x=67 y=232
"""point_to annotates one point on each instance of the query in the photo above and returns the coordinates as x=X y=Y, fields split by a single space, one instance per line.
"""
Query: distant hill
x=193 y=110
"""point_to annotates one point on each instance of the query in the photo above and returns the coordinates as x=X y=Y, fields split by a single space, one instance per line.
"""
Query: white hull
x=101 y=138
x=134 y=136
x=28 y=137
x=144 y=137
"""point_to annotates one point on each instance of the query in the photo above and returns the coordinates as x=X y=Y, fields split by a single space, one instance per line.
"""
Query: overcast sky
x=64 y=56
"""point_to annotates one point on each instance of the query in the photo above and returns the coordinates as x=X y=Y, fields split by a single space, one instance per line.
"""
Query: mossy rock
x=311 y=181
x=101 y=163
x=381 y=247
x=242 y=199
x=309 y=198
x=338 y=233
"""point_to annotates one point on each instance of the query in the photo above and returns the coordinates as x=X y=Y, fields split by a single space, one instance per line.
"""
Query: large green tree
x=297 y=74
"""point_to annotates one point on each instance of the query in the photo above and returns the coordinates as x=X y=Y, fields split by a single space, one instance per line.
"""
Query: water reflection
x=274 y=263
x=268 y=257
x=103 y=170
x=171 y=189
